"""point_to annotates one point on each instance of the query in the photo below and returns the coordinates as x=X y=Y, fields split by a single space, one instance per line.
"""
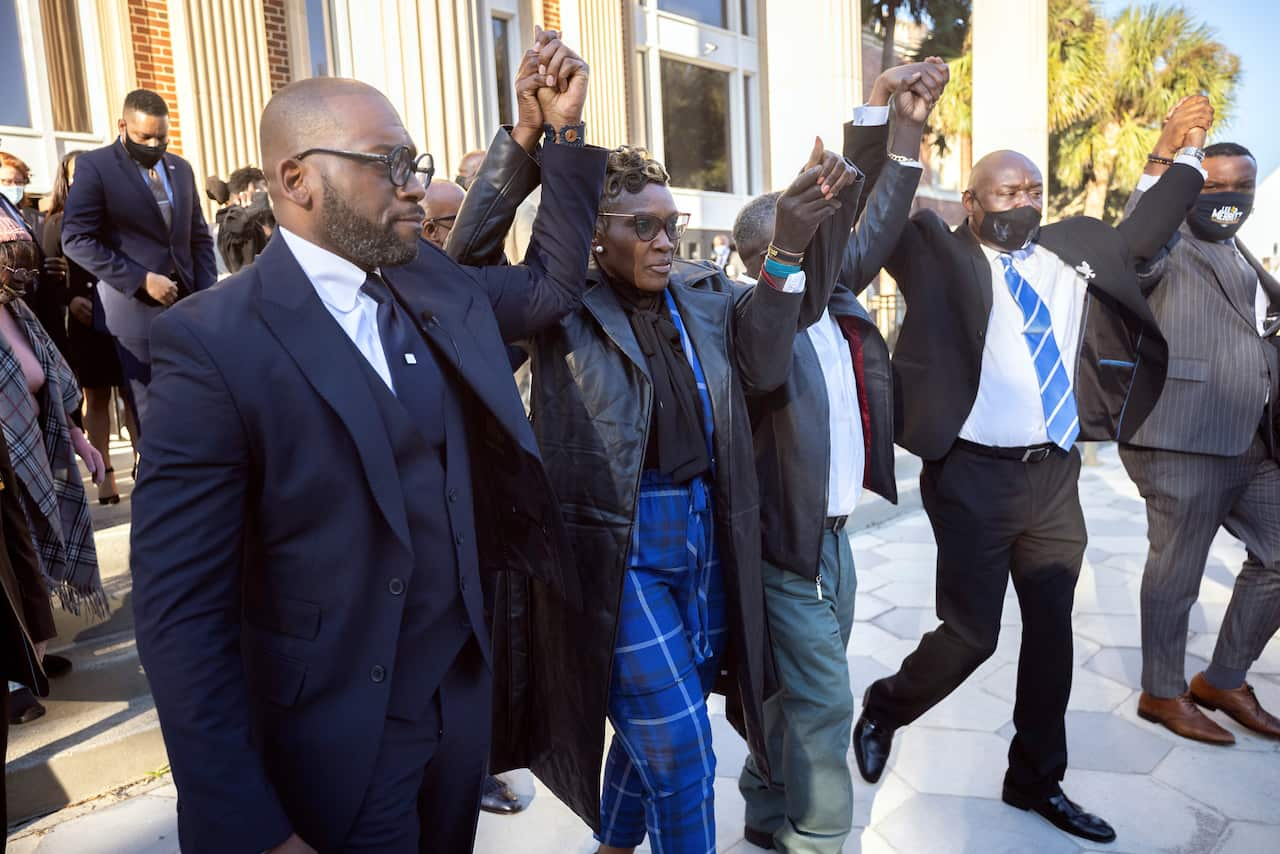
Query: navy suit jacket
x=269 y=518
x=113 y=228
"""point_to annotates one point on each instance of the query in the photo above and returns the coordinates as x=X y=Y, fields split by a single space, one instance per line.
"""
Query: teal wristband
x=779 y=269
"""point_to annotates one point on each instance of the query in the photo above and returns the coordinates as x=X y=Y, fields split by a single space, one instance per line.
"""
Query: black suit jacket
x=946 y=282
x=113 y=228
x=269 y=518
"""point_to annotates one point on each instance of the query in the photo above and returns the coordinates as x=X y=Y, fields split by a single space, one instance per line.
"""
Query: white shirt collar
x=337 y=281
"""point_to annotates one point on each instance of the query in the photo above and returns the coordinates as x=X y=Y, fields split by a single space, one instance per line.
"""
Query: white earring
x=599 y=249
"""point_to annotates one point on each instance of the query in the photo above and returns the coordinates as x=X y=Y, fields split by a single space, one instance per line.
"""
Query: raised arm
x=188 y=512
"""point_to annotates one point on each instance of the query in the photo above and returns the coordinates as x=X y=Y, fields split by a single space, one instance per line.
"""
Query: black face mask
x=1011 y=230
x=146 y=155
x=1218 y=216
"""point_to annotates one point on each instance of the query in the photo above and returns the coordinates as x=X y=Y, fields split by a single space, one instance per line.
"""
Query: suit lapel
x=978 y=262
x=1233 y=295
x=133 y=180
x=1266 y=281
x=292 y=310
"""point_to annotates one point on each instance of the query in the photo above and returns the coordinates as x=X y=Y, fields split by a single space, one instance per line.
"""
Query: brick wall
x=273 y=12
x=153 y=58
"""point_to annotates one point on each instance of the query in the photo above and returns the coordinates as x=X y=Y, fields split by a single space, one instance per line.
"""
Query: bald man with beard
x=336 y=449
x=1018 y=342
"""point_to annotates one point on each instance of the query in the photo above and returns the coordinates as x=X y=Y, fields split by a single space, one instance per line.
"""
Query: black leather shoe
x=1066 y=815
x=498 y=798
x=24 y=707
x=56 y=666
x=758 y=838
x=872 y=742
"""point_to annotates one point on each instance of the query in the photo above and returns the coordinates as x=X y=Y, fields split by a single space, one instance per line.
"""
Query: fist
x=810 y=199
x=562 y=77
x=917 y=87
x=162 y=289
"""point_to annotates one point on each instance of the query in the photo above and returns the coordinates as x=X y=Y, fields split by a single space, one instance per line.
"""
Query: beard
x=364 y=242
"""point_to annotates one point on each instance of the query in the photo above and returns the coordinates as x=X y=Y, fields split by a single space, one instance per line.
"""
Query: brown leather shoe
x=1240 y=703
x=1180 y=715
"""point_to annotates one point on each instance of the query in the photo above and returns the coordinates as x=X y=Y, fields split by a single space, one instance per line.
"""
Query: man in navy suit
x=133 y=220
x=336 y=452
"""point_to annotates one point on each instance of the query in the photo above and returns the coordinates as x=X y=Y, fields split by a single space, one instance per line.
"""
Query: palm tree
x=1115 y=82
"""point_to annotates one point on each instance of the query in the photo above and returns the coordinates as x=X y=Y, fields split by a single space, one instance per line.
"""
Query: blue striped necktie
x=1061 y=420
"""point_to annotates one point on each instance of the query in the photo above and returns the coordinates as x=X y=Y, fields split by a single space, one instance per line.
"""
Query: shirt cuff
x=1146 y=182
x=868 y=115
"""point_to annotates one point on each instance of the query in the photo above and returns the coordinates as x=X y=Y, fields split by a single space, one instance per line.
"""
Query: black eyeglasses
x=647 y=226
x=400 y=162
x=442 y=221
x=22 y=275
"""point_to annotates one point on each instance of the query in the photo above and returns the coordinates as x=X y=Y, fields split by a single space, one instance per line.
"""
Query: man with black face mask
x=1018 y=342
x=1202 y=460
x=133 y=220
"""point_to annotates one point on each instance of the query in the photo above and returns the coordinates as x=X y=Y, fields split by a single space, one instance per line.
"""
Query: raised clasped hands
x=551 y=87
x=811 y=198
x=913 y=89
x=1186 y=124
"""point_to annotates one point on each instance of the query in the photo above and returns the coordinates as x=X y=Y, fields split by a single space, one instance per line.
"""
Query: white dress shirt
x=1008 y=412
x=868 y=116
x=337 y=282
x=848 y=460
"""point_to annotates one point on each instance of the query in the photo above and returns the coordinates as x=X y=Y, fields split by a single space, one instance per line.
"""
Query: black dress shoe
x=872 y=742
x=24 y=707
x=1066 y=815
x=56 y=666
x=758 y=838
x=498 y=797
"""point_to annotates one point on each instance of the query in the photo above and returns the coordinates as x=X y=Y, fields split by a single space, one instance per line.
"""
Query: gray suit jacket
x=1220 y=371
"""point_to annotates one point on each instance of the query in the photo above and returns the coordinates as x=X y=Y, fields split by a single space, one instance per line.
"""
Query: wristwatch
x=1192 y=151
x=573 y=136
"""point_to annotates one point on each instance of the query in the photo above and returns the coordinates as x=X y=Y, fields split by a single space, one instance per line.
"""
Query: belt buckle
x=1035 y=455
x=839 y=524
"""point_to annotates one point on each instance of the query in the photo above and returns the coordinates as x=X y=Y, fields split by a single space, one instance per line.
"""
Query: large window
x=713 y=12
x=64 y=59
x=695 y=121
x=320 y=38
x=503 y=79
x=15 y=110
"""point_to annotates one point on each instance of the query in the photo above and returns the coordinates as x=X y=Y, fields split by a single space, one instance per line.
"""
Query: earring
x=599 y=249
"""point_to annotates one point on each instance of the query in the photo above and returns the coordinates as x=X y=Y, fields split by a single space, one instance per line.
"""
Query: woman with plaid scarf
x=40 y=413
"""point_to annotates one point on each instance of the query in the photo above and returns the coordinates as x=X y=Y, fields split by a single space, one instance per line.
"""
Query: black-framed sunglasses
x=400 y=162
x=647 y=226
x=22 y=275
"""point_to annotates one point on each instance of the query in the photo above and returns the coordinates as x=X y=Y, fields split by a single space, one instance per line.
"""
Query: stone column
x=1011 y=78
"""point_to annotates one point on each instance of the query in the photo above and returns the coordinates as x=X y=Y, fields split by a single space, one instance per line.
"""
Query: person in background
x=26 y=618
x=47 y=296
x=133 y=220
x=442 y=203
x=245 y=223
x=90 y=350
x=468 y=167
x=720 y=251
x=40 y=417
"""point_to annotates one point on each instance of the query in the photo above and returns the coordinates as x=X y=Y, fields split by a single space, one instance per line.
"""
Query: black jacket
x=591 y=401
x=28 y=619
x=946 y=281
x=793 y=450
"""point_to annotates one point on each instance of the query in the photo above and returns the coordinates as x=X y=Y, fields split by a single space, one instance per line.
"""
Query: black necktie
x=419 y=384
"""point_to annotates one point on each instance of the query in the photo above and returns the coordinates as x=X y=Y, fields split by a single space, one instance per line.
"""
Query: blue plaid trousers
x=660 y=770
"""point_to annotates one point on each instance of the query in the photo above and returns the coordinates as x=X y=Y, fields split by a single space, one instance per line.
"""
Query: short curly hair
x=630 y=168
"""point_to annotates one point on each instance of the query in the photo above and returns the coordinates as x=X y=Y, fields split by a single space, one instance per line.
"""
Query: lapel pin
x=1085 y=271
x=410 y=359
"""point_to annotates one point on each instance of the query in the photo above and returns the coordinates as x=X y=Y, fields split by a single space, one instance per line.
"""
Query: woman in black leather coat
x=638 y=404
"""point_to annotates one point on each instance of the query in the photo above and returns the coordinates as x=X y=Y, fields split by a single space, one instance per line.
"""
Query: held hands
x=1186 y=124
x=811 y=198
x=915 y=93
x=162 y=289
x=551 y=86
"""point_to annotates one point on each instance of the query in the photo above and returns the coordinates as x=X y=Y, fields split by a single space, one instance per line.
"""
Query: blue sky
x=1251 y=30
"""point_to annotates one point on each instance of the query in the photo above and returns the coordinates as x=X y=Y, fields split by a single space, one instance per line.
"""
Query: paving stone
x=909 y=552
x=1089 y=691
x=1206 y=616
x=869 y=638
x=1244 y=785
x=943 y=823
x=867 y=606
x=863 y=670
x=1099 y=741
x=1124 y=665
x=868 y=559
x=873 y=803
x=869 y=579
x=141 y=825
x=1093 y=599
x=969 y=708
x=908 y=623
x=1245 y=838
x=866 y=541
x=1110 y=630
x=939 y=762
x=918 y=571
x=1134 y=545
x=891 y=655
x=1149 y=817
x=731 y=750
x=908 y=594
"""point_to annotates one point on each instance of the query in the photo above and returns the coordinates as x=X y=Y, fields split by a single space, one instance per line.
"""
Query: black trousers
x=425 y=792
x=995 y=519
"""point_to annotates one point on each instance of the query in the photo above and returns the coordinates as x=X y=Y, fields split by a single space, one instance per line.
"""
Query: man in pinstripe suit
x=1205 y=456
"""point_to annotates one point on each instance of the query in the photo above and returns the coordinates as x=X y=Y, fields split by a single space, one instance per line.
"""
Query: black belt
x=1029 y=454
x=835 y=524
